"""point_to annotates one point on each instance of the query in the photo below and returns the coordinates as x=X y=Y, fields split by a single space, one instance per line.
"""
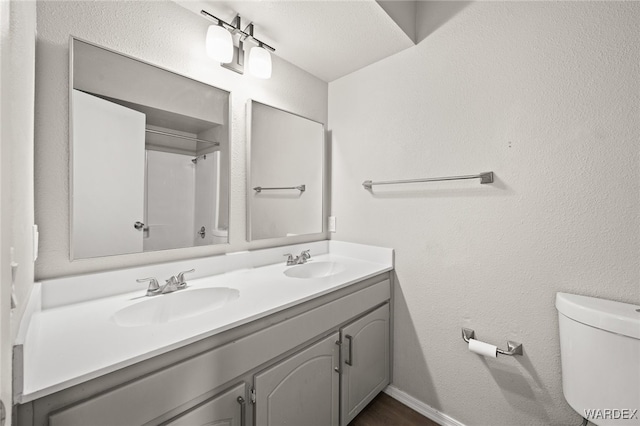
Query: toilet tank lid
x=219 y=232
x=616 y=317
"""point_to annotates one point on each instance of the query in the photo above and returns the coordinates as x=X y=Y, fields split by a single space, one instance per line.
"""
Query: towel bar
x=300 y=188
x=486 y=177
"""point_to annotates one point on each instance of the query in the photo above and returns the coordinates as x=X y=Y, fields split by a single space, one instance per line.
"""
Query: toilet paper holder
x=513 y=348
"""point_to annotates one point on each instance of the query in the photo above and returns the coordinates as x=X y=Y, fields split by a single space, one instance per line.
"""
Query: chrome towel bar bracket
x=513 y=348
x=300 y=188
x=486 y=177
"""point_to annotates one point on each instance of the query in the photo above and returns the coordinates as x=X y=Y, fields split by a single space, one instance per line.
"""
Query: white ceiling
x=328 y=39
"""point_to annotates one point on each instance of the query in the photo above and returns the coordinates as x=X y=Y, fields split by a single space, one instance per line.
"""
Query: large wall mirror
x=286 y=163
x=149 y=157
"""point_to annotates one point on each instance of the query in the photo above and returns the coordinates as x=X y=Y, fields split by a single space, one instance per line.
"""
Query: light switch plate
x=36 y=242
x=332 y=224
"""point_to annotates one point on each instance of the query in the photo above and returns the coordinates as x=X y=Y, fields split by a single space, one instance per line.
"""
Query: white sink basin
x=314 y=270
x=173 y=306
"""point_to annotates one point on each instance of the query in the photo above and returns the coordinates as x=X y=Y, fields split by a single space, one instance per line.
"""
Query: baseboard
x=421 y=407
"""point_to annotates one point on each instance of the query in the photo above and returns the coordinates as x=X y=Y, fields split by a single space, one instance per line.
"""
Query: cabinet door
x=302 y=389
x=221 y=410
x=365 y=361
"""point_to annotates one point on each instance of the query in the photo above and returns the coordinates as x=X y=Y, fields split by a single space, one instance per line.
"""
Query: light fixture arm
x=235 y=29
x=248 y=30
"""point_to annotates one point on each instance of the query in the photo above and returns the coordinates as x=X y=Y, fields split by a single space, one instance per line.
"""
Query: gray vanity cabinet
x=302 y=389
x=227 y=409
x=365 y=361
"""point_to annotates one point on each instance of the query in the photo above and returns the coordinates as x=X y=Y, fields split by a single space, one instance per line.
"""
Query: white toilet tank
x=219 y=236
x=600 y=352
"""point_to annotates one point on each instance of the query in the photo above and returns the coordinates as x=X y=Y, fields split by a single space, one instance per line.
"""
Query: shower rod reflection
x=173 y=135
x=486 y=177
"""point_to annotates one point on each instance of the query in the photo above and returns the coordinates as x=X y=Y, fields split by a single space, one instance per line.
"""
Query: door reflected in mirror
x=149 y=157
x=286 y=180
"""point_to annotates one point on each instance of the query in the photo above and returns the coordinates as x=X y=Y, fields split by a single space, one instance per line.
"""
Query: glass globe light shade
x=260 y=62
x=219 y=44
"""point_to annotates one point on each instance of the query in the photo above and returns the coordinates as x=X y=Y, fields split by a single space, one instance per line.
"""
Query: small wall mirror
x=286 y=164
x=149 y=156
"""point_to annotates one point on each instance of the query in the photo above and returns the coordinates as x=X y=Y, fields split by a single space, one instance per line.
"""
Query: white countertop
x=70 y=344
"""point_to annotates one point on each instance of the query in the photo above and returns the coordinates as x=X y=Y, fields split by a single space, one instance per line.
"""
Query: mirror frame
x=229 y=111
x=249 y=187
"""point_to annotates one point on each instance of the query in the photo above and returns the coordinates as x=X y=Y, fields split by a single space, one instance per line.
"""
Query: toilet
x=600 y=352
x=219 y=236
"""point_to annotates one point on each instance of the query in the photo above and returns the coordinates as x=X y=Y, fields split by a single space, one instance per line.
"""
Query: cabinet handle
x=241 y=401
x=350 y=360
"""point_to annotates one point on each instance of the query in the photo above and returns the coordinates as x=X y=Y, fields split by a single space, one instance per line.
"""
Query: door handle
x=350 y=350
x=339 y=344
x=138 y=225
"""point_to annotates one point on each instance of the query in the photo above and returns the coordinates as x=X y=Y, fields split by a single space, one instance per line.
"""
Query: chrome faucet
x=298 y=260
x=172 y=284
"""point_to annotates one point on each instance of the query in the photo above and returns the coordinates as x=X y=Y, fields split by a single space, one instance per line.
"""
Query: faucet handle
x=305 y=254
x=290 y=259
x=181 y=281
x=153 y=284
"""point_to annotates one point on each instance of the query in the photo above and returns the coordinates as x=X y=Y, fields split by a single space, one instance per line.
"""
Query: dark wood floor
x=386 y=411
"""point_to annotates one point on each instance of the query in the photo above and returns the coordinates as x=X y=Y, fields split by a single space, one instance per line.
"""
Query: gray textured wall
x=546 y=95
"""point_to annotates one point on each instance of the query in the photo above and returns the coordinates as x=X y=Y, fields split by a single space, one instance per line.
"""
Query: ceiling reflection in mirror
x=149 y=157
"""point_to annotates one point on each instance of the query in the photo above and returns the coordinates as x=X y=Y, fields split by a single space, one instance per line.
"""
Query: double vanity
x=245 y=338
x=249 y=340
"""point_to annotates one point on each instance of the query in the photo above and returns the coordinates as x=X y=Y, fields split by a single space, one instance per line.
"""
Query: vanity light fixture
x=221 y=47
